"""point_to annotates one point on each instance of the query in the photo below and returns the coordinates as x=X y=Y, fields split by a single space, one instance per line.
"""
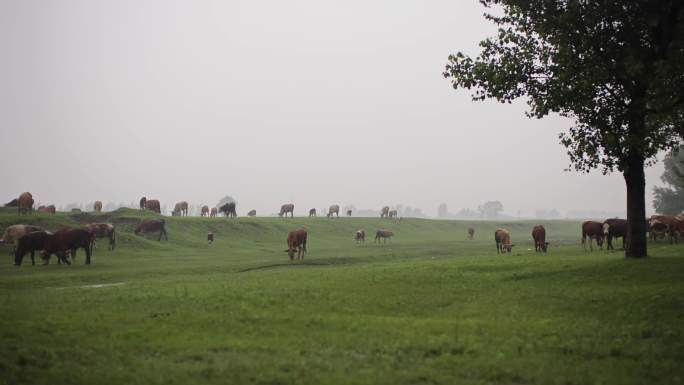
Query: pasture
x=431 y=307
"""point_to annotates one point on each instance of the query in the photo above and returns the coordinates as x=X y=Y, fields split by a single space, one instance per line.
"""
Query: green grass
x=430 y=308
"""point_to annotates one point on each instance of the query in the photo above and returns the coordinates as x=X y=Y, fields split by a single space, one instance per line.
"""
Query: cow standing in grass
x=503 y=241
x=471 y=233
x=214 y=212
x=25 y=203
x=14 y=232
x=385 y=212
x=296 y=243
x=614 y=228
x=204 y=211
x=349 y=213
x=228 y=210
x=592 y=230
x=384 y=235
x=312 y=213
x=671 y=222
x=152 y=226
x=286 y=208
x=97 y=206
x=251 y=213
x=334 y=209
x=360 y=236
x=103 y=230
x=539 y=236
x=153 y=205
x=393 y=214
x=143 y=200
x=180 y=209
x=68 y=240
x=30 y=243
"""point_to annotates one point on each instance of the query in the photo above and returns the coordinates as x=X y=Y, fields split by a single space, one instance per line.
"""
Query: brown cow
x=251 y=213
x=312 y=212
x=296 y=242
x=25 y=203
x=97 y=206
x=471 y=233
x=152 y=225
x=286 y=208
x=153 y=205
x=47 y=209
x=349 y=213
x=360 y=236
x=592 y=230
x=334 y=209
x=68 y=240
x=672 y=224
x=214 y=212
x=503 y=241
x=539 y=236
x=204 y=211
x=657 y=229
x=14 y=232
x=103 y=230
x=384 y=235
x=393 y=214
x=228 y=209
x=143 y=201
x=29 y=243
x=385 y=212
x=180 y=209
x=614 y=228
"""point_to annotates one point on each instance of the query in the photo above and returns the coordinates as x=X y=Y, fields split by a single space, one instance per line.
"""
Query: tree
x=613 y=67
x=670 y=200
x=490 y=209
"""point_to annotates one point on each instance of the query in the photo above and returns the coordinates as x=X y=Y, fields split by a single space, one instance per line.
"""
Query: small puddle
x=95 y=286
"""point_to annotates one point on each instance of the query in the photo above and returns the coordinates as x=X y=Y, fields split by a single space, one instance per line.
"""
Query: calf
x=68 y=240
x=97 y=206
x=592 y=230
x=349 y=213
x=103 y=230
x=384 y=235
x=360 y=236
x=393 y=214
x=29 y=243
x=296 y=242
x=150 y=226
x=251 y=213
x=503 y=241
x=539 y=236
x=614 y=228
x=385 y=212
x=471 y=233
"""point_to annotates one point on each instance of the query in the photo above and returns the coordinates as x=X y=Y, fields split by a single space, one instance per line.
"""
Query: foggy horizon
x=310 y=102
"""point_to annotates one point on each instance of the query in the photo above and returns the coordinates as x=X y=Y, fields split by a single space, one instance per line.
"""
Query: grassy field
x=430 y=308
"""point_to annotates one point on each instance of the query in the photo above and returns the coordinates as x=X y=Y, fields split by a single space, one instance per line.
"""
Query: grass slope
x=430 y=308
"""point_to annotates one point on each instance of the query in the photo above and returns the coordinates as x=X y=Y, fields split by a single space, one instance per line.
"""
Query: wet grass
x=429 y=308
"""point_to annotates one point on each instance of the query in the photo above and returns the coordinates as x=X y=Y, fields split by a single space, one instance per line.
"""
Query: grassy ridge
x=431 y=307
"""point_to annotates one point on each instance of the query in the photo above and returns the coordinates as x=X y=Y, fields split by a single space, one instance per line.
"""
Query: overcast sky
x=306 y=101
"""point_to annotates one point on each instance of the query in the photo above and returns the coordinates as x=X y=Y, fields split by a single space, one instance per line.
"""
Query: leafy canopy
x=613 y=67
x=670 y=200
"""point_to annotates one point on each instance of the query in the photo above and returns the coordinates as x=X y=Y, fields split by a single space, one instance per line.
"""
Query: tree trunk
x=635 y=238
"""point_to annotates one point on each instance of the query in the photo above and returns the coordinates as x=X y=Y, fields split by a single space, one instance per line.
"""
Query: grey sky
x=314 y=102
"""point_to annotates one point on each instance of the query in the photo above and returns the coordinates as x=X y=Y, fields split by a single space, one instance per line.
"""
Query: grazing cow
x=539 y=236
x=47 y=209
x=214 y=212
x=671 y=222
x=150 y=226
x=384 y=235
x=657 y=229
x=286 y=208
x=68 y=240
x=334 y=209
x=14 y=232
x=153 y=205
x=228 y=210
x=393 y=213
x=103 y=230
x=97 y=206
x=385 y=212
x=312 y=212
x=471 y=233
x=251 y=213
x=143 y=201
x=25 y=203
x=614 y=228
x=296 y=242
x=503 y=241
x=349 y=213
x=592 y=230
x=360 y=236
x=180 y=209
x=29 y=243
x=204 y=211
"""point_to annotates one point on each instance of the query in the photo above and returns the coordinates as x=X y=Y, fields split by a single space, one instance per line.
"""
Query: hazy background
x=314 y=102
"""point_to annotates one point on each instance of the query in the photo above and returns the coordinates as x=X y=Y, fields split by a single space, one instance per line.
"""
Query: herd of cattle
x=65 y=242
